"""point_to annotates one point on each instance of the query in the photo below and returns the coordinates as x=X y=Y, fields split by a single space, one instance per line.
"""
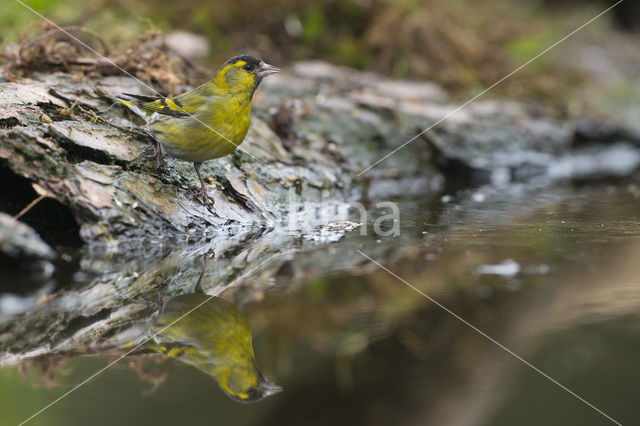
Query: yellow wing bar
x=166 y=106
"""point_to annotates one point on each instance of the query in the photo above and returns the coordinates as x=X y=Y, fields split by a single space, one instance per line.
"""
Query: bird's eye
x=247 y=67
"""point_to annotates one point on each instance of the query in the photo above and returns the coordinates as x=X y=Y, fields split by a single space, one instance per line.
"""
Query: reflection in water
x=214 y=338
x=550 y=274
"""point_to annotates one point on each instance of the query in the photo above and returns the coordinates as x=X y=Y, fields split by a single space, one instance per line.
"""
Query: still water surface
x=550 y=273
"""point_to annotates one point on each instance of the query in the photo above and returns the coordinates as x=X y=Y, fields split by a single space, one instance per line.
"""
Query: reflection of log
x=120 y=300
x=469 y=376
x=19 y=242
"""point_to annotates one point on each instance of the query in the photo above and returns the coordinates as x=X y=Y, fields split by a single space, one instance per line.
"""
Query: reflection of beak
x=267 y=387
x=265 y=69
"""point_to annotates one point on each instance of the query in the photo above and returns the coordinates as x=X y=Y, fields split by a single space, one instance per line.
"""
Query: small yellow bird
x=208 y=122
x=212 y=335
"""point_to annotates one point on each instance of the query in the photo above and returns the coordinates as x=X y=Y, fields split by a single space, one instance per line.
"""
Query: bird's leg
x=204 y=262
x=158 y=155
x=160 y=306
x=203 y=189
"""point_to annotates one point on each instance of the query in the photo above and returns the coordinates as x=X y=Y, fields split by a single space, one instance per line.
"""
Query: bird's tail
x=134 y=108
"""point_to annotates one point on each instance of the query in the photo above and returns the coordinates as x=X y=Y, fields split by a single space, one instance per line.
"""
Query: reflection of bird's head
x=242 y=74
x=214 y=338
x=241 y=386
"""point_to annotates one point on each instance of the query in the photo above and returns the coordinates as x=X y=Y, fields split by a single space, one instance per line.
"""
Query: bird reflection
x=214 y=338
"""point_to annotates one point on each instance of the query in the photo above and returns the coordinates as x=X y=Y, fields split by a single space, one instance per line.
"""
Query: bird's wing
x=167 y=106
x=177 y=106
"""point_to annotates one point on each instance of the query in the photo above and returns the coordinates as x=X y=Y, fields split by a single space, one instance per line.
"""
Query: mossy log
x=313 y=130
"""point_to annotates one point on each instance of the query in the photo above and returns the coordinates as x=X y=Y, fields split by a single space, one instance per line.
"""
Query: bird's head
x=243 y=73
x=216 y=339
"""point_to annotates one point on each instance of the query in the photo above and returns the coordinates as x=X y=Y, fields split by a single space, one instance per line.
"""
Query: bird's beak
x=267 y=387
x=265 y=69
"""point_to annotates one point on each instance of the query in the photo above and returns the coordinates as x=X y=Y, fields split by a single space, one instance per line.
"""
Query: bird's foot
x=203 y=196
x=157 y=156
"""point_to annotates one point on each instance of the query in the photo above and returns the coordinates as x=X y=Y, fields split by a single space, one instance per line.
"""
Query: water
x=550 y=273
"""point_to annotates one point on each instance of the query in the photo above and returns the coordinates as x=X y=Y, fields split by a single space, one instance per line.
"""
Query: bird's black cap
x=252 y=61
x=255 y=66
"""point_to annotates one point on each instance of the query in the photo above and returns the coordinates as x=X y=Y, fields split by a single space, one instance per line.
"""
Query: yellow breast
x=214 y=130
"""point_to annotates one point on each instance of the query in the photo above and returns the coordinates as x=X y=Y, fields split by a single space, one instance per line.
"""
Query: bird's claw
x=203 y=196
x=158 y=160
x=157 y=156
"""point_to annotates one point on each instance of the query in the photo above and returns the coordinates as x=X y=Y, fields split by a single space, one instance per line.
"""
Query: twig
x=29 y=206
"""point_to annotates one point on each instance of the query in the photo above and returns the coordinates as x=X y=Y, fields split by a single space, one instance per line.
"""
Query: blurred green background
x=463 y=45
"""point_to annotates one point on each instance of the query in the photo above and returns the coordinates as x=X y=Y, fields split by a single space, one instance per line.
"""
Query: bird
x=212 y=335
x=205 y=123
